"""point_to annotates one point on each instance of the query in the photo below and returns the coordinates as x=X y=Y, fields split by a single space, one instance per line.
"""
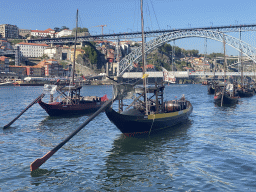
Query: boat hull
x=132 y=125
x=211 y=90
x=59 y=109
x=226 y=100
x=246 y=93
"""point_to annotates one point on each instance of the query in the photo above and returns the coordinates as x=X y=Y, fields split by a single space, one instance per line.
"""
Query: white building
x=65 y=32
x=32 y=49
x=45 y=33
x=54 y=52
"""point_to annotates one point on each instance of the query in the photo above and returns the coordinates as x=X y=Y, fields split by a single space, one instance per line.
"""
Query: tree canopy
x=80 y=30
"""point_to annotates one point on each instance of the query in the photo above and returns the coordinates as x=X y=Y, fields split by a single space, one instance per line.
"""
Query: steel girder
x=148 y=34
x=127 y=62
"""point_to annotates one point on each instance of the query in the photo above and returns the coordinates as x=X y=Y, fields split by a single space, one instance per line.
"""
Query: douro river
x=214 y=151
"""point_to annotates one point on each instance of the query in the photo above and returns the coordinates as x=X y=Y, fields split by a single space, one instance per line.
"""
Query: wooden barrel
x=172 y=106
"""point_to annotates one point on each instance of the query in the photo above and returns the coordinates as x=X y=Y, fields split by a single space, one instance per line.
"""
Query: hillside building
x=51 y=68
x=40 y=33
x=9 y=31
x=24 y=32
x=31 y=49
x=63 y=33
x=4 y=64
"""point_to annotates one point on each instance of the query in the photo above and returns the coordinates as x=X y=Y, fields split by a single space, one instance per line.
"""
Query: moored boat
x=74 y=105
x=245 y=91
x=69 y=101
x=225 y=94
x=147 y=113
x=211 y=87
x=160 y=115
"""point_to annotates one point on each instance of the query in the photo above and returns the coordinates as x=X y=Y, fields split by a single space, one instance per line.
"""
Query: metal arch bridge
x=127 y=62
x=148 y=34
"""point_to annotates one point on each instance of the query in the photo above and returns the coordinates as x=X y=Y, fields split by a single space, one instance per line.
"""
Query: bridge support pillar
x=83 y=44
x=17 y=56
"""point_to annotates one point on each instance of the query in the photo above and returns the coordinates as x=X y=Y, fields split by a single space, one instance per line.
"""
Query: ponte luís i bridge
x=126 y=63
x=164 y=36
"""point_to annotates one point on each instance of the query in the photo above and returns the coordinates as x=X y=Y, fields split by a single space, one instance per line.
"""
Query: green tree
x=80 y=30
x=56 y=29
x=91 y=53
x=64 y=27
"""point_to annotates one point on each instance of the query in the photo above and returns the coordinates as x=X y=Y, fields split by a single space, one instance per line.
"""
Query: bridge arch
x=135 y=55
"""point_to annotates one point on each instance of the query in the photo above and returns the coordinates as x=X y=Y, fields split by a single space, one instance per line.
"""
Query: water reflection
x=132 y=160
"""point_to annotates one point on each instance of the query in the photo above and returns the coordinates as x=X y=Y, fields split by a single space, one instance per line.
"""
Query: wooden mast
x=143 y=57
x=225 y=60
x=74 y=56
x=241 y=63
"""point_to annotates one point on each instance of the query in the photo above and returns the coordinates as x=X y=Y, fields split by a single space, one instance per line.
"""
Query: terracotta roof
x=35 y=44
x=150 y=66
x=2 y=58
x=45 y=62
x=45 y=31
x=17 y=66
x=49 y=29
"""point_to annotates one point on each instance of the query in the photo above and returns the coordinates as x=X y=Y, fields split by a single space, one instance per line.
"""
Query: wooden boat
x=68 y=100
x=145 y=115
x=72 y=103
x=205 y=82
x=160 y=115
x=225 y=95
x=245 y=91
x=211 y=87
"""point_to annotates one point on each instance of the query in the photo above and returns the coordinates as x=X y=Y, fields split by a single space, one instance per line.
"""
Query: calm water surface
x=214 y=151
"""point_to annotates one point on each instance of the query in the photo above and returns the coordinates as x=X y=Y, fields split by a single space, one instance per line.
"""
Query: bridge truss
x=148 y=34
x=127 y=62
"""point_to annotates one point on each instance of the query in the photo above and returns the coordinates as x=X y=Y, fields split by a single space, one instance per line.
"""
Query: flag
x=144 y=76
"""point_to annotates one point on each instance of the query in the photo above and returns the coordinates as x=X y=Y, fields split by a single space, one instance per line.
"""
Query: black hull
x=226 y=100
x=58 y=109
x=211 y=90
x=245 y=93
x=131 y=125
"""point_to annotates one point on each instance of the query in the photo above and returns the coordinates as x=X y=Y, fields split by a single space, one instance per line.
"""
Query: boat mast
x=143 y=57
x=241 y=63
x=225 y=60
x=74 y=57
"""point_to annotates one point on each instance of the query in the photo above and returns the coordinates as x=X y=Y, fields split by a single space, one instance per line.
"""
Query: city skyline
x=124 y=16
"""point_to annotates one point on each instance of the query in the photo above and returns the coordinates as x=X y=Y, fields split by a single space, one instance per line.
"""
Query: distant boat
x=211 y=87
x=148 y=112
x=40 y=81
x=69 y=101
x=225 y=94
x=245 y=92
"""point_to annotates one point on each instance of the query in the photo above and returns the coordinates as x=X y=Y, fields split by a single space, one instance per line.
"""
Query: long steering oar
x=30 y=105
x=38 y=162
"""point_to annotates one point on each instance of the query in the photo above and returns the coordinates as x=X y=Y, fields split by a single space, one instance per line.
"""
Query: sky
x=124 y=16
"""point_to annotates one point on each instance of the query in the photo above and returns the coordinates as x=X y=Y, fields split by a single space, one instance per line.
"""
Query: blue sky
x=124 y=16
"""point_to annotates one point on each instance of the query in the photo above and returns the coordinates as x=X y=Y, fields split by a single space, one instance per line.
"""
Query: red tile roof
x=2 y=58
x=35 y=44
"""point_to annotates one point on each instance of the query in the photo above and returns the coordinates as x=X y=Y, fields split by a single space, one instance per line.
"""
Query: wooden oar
x=30 y=105
x=38 y=162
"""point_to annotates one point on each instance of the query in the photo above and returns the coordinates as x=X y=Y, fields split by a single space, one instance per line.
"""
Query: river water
x=214 y=151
